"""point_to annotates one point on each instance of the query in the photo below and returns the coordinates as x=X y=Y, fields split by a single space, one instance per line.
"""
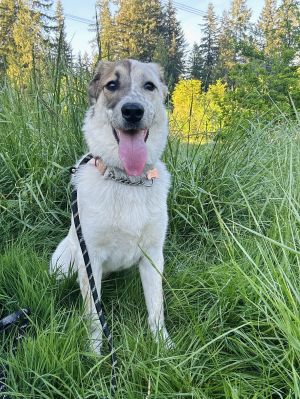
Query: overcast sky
x=80 y=36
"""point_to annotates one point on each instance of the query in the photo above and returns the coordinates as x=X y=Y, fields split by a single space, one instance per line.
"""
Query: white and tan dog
x=126 y=127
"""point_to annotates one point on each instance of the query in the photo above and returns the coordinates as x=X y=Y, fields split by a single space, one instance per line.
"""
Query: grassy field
x=232 y=276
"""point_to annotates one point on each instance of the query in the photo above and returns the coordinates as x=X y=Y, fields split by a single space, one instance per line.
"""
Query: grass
x=232 y=284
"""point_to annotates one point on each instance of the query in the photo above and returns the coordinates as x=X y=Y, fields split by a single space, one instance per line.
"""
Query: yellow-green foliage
x=25 y=37
x=197 y=113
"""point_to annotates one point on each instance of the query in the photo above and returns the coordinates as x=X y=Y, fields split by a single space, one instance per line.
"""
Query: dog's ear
x=160 y=71
x=95 y=84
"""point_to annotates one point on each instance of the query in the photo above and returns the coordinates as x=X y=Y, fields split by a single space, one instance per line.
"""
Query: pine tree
x=151 y=26
x=62 y=49
x=8 y=16
x=137 y=29
x=195 y=63
x=209 y=47
x=288 y=15
x=267 y=27
x=226 y=49
x=105 y=30
x=171 y=49
x=239 y=20
x=25 y=34
x=47 y=22
x=122 y=29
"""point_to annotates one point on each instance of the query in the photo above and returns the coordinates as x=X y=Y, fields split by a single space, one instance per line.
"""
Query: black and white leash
x=88 y=266
x=21 y=315
x=19 y=318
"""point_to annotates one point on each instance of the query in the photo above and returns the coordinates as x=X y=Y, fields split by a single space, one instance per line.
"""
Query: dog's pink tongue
x=133 y=151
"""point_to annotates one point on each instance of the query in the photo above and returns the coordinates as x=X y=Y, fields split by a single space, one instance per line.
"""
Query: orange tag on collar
x=152 y=174
x=100 y=165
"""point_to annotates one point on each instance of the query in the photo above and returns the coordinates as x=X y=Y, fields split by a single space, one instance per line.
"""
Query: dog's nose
x=132 y=112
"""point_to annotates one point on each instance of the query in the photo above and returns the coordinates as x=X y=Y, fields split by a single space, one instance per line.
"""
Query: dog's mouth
x=132 y=149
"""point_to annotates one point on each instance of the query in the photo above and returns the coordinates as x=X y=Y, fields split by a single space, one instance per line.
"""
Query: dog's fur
x=122 y=225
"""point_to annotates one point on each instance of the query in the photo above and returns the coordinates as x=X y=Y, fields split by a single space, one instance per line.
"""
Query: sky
x=80 y=34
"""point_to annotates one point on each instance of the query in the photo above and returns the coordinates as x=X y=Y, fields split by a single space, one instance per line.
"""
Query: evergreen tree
x=62 y=49
x=151 y=21
x=235 y=44
x=105 y=30
x=289 y=24
x=267 y=27
x=42 y=8
x=226 y=49
x=137 y=29
x=239 y=20
x=123 y=30
x=209 y=47
x=41 y=11
x=239 y=28
x=8 y=16
x=171 y=49
x=25 y=34
x=195 y=63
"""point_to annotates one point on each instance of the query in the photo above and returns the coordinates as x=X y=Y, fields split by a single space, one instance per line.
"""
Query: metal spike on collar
x=143 y=181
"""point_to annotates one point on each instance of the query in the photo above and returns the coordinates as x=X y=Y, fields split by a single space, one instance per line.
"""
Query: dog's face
x=126 y=124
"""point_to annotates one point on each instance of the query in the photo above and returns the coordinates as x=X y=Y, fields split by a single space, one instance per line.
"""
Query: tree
x=8 y=16
x=238 y=29
x=151 y=20
x=171 y=49
x=62 y=49
x=137 y=29
x=226 y=50
x=195 y=63
x=288 y=15
x=209 y=46
x=42 y=9
x=235 y=44
x=105 y=30
x=25 y=35
x=239 y=20
x=267 y=27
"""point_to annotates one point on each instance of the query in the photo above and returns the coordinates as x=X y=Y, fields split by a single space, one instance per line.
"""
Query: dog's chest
x=118 y=220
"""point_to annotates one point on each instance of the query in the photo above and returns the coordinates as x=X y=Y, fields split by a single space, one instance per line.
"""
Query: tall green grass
x=232 y=283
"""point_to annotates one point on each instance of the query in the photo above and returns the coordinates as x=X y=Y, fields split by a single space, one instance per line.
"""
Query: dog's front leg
x=90 y=310
x=151 y=268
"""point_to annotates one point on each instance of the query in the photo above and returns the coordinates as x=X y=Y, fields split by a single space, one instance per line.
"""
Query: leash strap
x=88 y=266
x=21 y=316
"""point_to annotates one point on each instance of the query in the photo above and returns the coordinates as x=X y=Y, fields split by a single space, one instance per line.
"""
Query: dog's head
x=126 y=124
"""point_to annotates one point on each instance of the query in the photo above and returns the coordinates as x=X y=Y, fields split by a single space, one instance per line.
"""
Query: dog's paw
x=163 y=336
x=169 y=344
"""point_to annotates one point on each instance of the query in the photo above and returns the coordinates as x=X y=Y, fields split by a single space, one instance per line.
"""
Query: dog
x=122 y=191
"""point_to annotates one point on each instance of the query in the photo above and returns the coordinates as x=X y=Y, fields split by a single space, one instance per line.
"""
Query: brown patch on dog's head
x=110 y=75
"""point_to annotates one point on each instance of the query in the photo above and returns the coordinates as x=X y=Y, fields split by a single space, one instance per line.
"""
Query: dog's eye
x=112 y=85
x=149 y=86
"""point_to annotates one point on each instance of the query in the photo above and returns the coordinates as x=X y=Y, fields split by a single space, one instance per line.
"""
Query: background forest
x=232 y=254
x=236 y=71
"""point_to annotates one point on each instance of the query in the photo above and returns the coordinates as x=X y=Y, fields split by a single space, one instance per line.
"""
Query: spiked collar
x=118 y=175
